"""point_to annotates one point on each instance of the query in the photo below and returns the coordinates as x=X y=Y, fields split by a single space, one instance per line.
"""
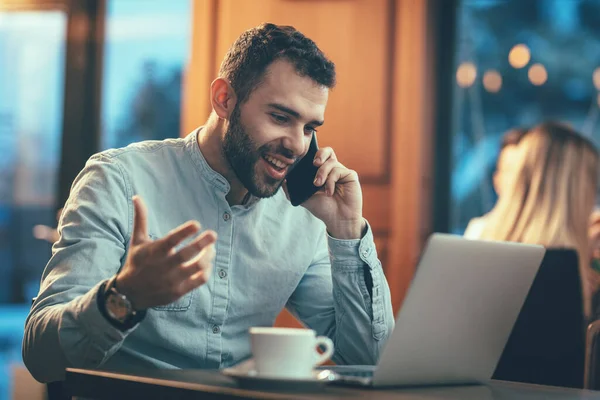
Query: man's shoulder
x=143 y=148
x=154 y=157
x=475 y=227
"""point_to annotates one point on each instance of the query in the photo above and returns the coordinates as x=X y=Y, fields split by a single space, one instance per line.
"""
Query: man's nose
x=295 y=143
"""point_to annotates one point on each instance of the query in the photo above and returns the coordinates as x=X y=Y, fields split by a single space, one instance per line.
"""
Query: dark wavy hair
x=248 y=58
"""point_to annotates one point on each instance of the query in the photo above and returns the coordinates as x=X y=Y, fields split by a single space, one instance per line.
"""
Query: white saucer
x=247 y=377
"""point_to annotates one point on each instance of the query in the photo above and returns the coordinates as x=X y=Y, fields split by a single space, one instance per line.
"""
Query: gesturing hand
x=155 y=273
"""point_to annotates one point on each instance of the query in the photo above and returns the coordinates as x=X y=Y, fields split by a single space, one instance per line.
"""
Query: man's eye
x=310 y=130
x=282 y=119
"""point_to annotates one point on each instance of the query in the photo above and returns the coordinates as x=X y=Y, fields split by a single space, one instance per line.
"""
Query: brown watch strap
x=105 y=290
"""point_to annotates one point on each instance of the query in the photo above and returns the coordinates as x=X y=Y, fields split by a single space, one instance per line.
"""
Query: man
x=502 y=175
x=130 y=285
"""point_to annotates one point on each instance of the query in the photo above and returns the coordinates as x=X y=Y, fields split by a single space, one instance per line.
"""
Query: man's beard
x=243 y=155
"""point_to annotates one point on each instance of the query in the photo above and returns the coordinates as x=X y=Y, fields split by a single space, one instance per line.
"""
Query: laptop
x=457 y=316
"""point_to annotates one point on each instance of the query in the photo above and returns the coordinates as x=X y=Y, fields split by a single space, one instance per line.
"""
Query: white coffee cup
x=287 y=352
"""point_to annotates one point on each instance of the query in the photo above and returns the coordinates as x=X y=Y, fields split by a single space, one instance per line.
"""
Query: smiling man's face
x=272 y=130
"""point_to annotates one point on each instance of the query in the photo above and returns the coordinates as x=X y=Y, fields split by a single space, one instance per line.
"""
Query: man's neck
x=210 y=142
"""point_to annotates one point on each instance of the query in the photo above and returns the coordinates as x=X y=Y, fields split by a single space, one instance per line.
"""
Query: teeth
x=275 y=162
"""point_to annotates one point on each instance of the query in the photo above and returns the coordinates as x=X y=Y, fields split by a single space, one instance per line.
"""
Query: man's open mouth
x=276 y=164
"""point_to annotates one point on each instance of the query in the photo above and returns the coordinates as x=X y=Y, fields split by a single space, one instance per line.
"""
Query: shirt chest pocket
x=181 y=304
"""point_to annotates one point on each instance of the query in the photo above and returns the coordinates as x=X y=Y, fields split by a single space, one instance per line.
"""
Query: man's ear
x=222 y=98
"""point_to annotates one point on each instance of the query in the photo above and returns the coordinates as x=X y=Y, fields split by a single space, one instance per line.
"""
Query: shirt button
x=366 y=252
x=226 y=216
x=216 y=329
x=222 y=274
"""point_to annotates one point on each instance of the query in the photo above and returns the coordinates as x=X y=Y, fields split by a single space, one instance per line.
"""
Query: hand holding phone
x=300 y=180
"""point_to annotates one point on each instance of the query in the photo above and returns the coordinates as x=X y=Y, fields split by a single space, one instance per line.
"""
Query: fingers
x=332 y=178
x=167 y=244
x=198 y=272
x=193 y=249
x=331 y=171
x=323 y=154
x=341 y=175
x=140 y=224
x=324 y=171
x=180 y=278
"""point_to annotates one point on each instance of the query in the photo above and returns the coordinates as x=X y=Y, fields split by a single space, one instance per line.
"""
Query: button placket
x=221 y=287
x=366 y=251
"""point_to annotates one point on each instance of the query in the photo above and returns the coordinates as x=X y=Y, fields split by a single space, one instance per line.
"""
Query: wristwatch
x=117 y=308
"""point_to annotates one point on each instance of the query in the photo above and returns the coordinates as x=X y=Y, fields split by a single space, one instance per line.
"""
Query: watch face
x=118 y=307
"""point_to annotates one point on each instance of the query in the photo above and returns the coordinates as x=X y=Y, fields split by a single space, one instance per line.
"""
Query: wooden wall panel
x=411 y=144
x=352 y=33
x=199 y=72
x=377 y=206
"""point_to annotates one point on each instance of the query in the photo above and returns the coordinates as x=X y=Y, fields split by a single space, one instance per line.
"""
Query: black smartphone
x=300 y=179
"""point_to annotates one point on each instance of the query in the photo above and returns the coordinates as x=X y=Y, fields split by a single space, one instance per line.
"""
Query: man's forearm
x=72 y=334
x=365 y=316
x=42 y=351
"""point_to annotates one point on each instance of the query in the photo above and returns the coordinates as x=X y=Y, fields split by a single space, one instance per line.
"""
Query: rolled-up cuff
x=347 y=253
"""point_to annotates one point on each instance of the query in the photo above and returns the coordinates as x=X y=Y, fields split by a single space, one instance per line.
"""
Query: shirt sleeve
x=334 y=299
x=64 y=327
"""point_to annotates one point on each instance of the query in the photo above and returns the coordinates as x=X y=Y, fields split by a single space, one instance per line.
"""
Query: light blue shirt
x=269 y=255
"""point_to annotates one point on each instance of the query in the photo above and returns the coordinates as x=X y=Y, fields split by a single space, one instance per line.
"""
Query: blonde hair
x=551 y=196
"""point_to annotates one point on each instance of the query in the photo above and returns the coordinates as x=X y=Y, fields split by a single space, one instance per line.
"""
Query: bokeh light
x=537 y=74
x=466 y=74
x=492 y=81
x=596 y=77
x=519 y=56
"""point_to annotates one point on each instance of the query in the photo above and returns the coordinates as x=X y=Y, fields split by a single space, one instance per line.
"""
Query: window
x=32 y=60
x=145 y=51
x=32 y=55
x=517 y=64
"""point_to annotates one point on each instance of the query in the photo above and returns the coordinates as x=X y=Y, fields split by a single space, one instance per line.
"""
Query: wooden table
x=202 y=384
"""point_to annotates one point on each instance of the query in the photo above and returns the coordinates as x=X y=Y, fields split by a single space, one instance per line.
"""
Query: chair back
x=547 y=343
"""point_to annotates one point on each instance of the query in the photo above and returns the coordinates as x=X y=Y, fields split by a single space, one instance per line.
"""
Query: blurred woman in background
x=505 y=165
x=550 y=199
